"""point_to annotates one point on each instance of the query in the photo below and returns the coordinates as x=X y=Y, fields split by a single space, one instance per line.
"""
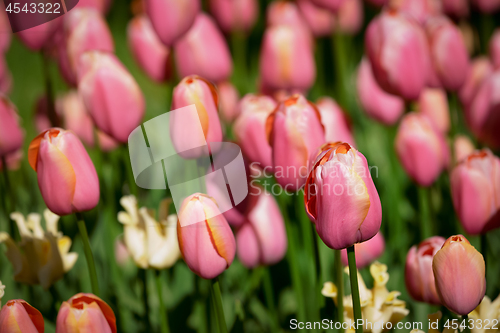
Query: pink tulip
x=203 y=51
x=459 y=271
x=287 y=59
x=487 y=6
x=5 y=29
x=377 y=103
x=207 y=244
x=5 y=77
x=149 y=52
x=295 y=134
x=250 y=128
x=475 y=189
x=319 y=20
x=366 y=252
x=495 y=48
x=479 y=69
x=331 y=5
x=172 y=19
x=229 y=98
x=122 y=255
x=13 y=161
x=281 y=12
x=66 y=175
x=419 y=277
x=85 y=313
x=398 y=51
x=434 y=104
x=262 y=239
x=449 y=54
x=100 y=5
x=462 y=147
x=456 y=8
x=421 y=148
x=198 y=91
x=11 y=133
x=40 y=36
x=340 y=197
x=334 y=120
x=110 y=93
x=18 y=316
x=235 y=15
x=350 y=17
x=421 y=10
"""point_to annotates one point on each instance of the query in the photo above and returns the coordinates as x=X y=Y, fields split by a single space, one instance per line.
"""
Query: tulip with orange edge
x=459 y=272
x=335 y=121
x=366 y=252
x=419 y=277
x=462 y=147
x=18 y=316
x=295 y=134
x=85 y=313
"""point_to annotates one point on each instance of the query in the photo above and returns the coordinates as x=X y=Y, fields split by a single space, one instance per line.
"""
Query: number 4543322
x=454 y=324
x=41 y=8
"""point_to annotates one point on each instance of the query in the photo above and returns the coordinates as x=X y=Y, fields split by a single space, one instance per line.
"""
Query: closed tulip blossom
x=434 y=104
x=366 y=252
x=340 y=197
x=229 y=98
x=206 y=241
x=11 y=133
x=287 y=59
x=419 y=9
x=150 y=243
x=110 y=93
x=66 y=175
x=463 y=147
x=335 y=121
x=456 y=8
x=172 y=19
x=350 y=16
x=319 y=20
x=479 y=69
x=203 y=94
x=486 y=6
x=419 y=277
x=85 y=313
x=100 y=5
x=41 y=35
x=42 y=257
x=449 y=55
x=261 y=240
x=18 y=316
x=475 y=189
x=295 y=134
x=235 y=15
x=376 y=102
x=149 y=52
x=250 y=128
x=398 y=51
x=421 y=148
x=494 y=48
x=203 y=51
x=459 y=271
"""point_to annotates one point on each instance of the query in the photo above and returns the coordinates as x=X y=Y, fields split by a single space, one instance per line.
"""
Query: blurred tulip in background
x=367 y=252
x=335 y=121
x=11 y=132
x=235 y=15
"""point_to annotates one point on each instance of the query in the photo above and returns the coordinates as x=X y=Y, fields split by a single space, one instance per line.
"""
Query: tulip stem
x=425 y=218
x=269 y=294
x=238 y=42
x=338 y=45
x=49 y=91
x=339 y=281
x=145 y=299
x=88 y=254
x=163 y=312
x=353 y=276
x=217 y=299
x=9 y=193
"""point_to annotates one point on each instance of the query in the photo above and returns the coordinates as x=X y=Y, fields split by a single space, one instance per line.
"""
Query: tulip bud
x=459 y=271
x=11 y=133
x=456 y=8
x=331 y=5
x=286 y=58
x=495 y=48
x=377 y=103
x=463 y=147
x=421 y=10
x=206 y=241
x=229 y=97
x=198 y=91
x=487 y=6
x=66 y=175
x=203 y=51
x=149 y=52
x=479 y=69
x=334 y=121
x=419 y=277
x=319 y=20
x=434 y=104
x=350 y=16
x=295 y=134
x=340 y=197
x=262 y=239
x=41 y=35
x=110 y=93
x=421 y=148
x=282 y=12
x=475 y=189
x=235 y=15
x=366 y=252
x=18 y=316
x=85 y=313
x=250 y=128
x=449 y=54
x=172 y=19
x=398 y=51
